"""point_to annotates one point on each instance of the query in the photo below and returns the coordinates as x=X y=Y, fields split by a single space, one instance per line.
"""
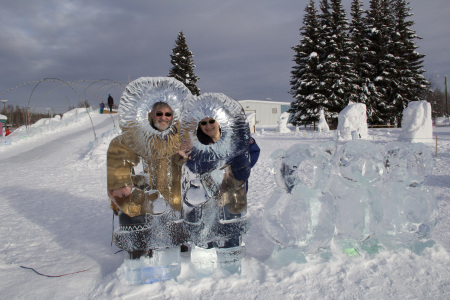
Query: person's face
x=162 y=118
x=210 y=127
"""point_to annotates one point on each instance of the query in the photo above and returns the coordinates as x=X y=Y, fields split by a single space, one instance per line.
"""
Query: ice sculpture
x=214 y=183
x=282 y=123
x=358 y=166
x=352 y=122
x=409 y=208
x=417 y=125
x=300 y=213
x=365 y=196
x=251 y=120
x=323 y=126
x=146 y=158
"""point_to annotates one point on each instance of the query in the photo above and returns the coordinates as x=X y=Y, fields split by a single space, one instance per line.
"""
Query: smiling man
x=144 y=178
x=161 y=115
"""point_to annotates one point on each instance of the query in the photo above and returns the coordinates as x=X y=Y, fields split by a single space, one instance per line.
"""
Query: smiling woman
x=208 y=131
x=214 y=180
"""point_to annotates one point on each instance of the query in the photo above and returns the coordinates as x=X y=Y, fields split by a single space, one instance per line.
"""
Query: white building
x=266 y=111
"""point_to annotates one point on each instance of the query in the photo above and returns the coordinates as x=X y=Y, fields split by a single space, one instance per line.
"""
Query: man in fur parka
x=144 y=167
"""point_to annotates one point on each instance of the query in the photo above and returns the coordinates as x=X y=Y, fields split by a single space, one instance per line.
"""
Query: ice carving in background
x=300 y=213
x=323 y=126
x=352 y=122
x=213 y=188
x=282 y=123
x=363 y=196
x=417 y=126
x=251 y=120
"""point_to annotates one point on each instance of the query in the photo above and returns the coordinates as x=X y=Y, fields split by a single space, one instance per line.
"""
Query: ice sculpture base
x=162 y=266
x=208 y=261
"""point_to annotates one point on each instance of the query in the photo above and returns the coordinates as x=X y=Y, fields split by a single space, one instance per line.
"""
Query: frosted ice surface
x=301 y=213
x=363 y=193
x=302 y=164
x=162 y=266
x=359 y=162
x=407 y=163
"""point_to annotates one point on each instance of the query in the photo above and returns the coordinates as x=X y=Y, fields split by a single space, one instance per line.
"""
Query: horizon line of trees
x=371 y=60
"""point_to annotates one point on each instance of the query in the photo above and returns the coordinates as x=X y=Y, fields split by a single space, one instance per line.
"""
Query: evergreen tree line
x=371 y=59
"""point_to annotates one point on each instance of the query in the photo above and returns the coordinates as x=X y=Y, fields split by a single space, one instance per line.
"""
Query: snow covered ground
x=55 y=218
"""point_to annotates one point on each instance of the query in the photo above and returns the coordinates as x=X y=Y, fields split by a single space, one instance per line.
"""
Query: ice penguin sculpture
x=144 y=179
x=214 y=181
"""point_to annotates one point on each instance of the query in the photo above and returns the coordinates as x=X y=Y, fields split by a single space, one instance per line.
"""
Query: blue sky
x=241 y=48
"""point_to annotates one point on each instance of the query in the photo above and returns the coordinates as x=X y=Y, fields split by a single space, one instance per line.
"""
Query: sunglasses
x=203 y=123
x=160 y=114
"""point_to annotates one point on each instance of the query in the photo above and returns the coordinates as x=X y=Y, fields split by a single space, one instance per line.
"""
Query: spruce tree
x=379 y=58
x=339 y=75
x=305 y=82
x=409 y=83
x=183 y=65
x=357 y=32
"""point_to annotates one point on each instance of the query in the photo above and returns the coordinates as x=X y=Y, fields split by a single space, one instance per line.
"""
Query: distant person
x=110 y=103
x=7 y=131
x=102 y=107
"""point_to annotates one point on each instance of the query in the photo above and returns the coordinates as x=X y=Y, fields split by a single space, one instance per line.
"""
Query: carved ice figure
x=282 y=123
x=358 y=167
x=409 y=208
x=214 y=183
x=145 y=160
x=323 y=126
x=417 y=125
x=299 y=216
x=352 y=122
x=251 y=120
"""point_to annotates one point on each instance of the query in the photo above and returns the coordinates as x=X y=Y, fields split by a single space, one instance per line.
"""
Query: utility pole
x=446 y=103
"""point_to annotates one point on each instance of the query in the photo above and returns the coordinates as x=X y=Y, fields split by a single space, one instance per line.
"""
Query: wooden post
x=446 y=103
x=436 y=145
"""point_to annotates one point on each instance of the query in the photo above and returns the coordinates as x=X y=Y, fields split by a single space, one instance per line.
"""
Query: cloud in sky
x=241 y=48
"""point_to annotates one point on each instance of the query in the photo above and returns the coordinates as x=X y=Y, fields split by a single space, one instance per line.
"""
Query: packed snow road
x=53 y=214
